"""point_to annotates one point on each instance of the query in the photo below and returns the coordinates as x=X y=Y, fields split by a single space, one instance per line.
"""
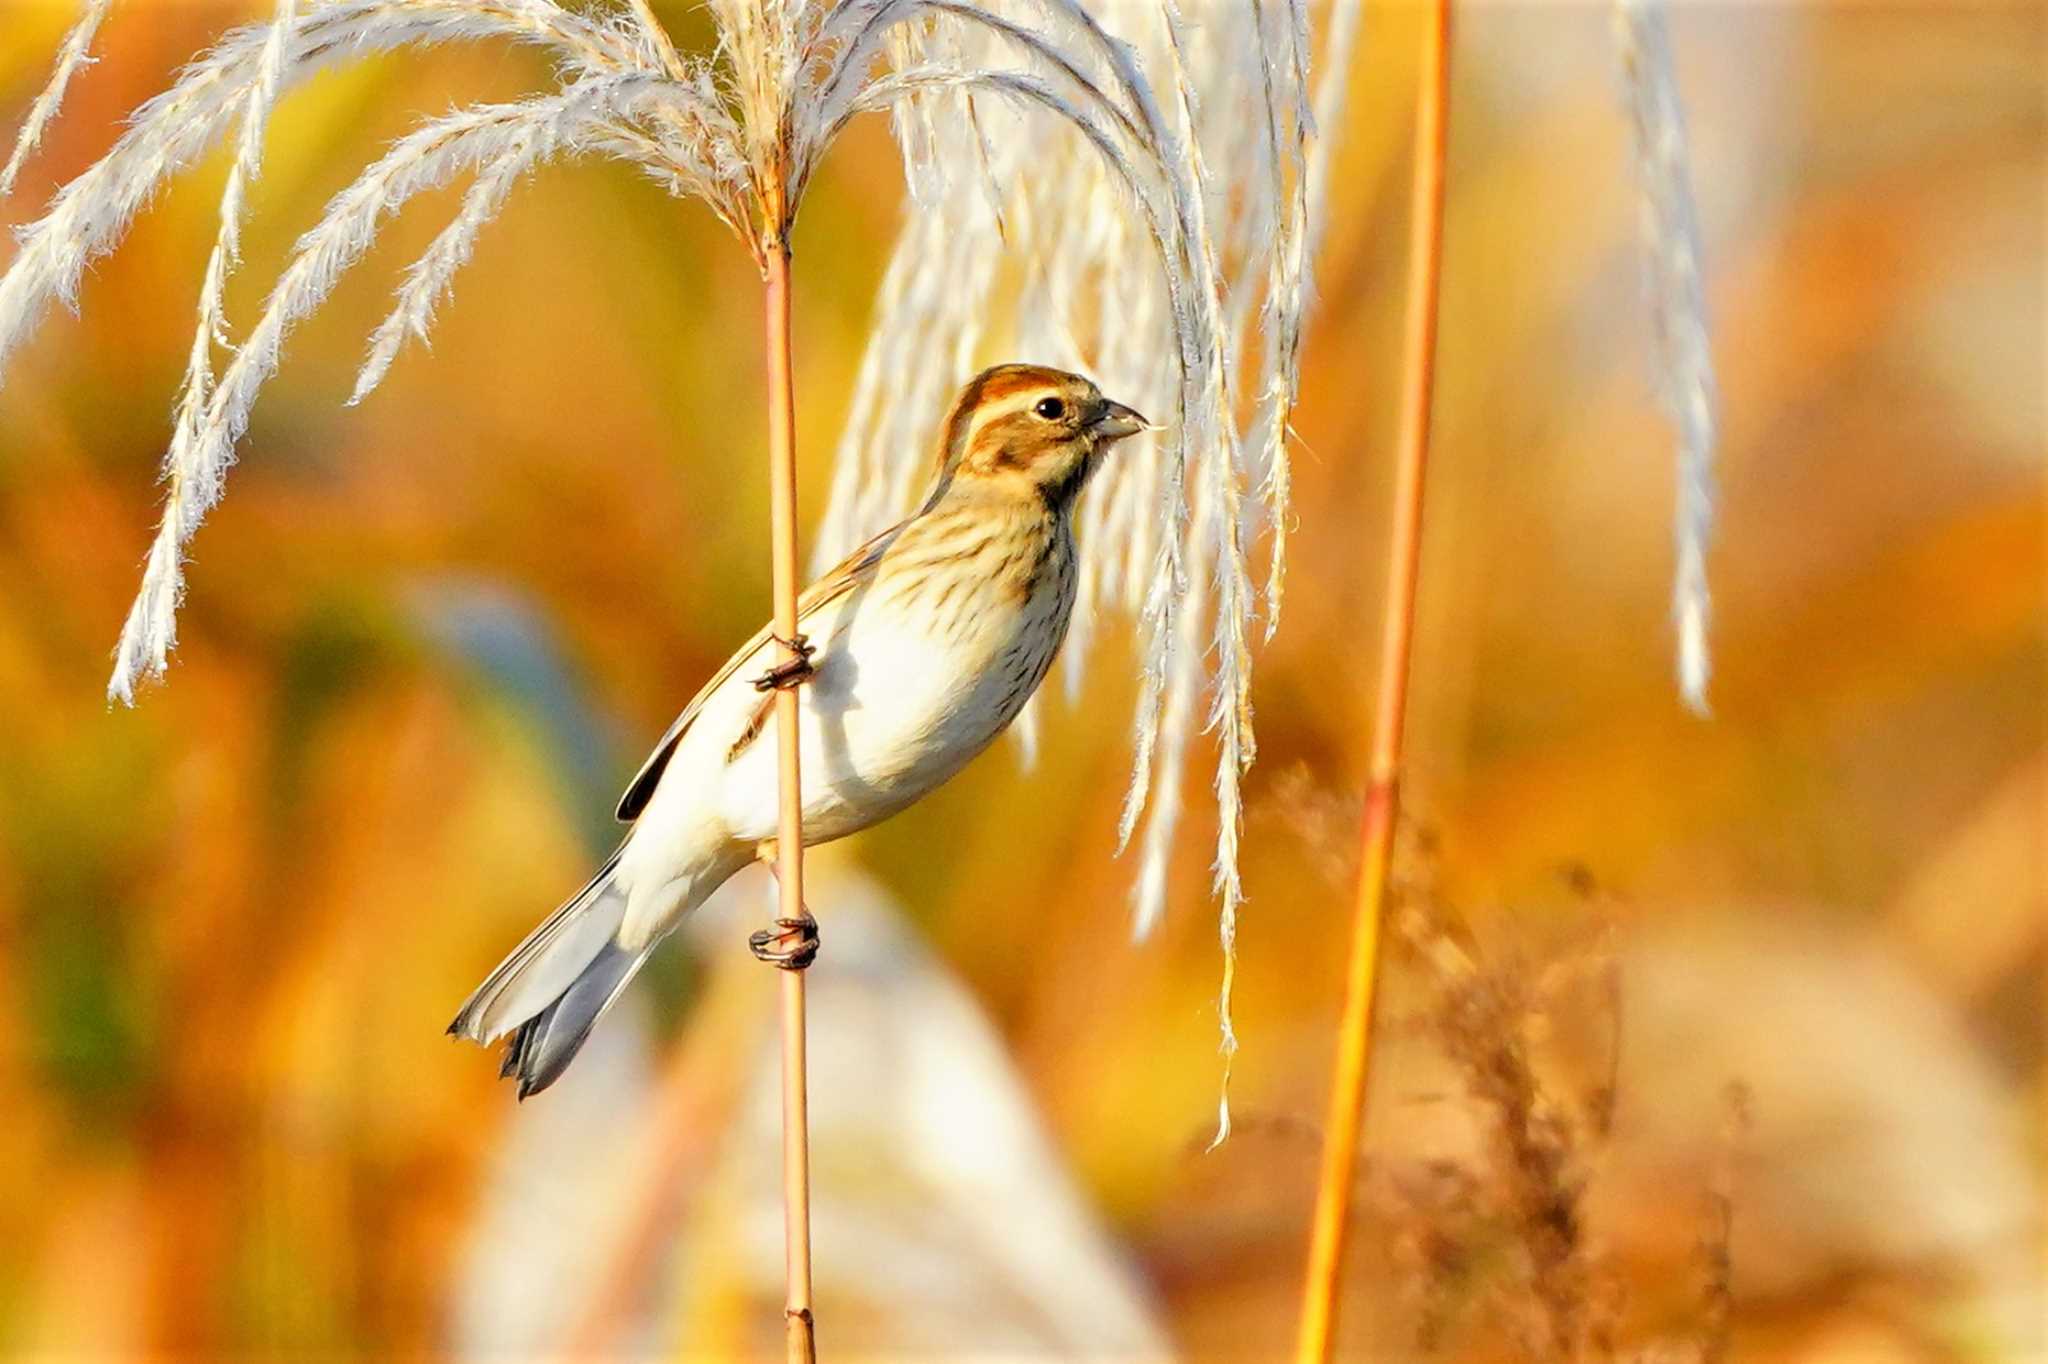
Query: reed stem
x=789 y=848
x=1382 y=798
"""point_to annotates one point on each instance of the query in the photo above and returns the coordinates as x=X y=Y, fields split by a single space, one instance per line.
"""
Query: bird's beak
x=1115 y=421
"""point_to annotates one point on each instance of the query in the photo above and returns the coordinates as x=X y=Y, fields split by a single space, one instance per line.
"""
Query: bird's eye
x=1052 y=409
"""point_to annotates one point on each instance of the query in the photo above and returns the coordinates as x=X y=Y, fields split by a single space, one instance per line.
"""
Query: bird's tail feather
x=554 y=985
x=545 y=1044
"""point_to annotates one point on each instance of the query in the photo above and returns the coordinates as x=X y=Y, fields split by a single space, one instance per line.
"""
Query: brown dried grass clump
x=1498 y=1240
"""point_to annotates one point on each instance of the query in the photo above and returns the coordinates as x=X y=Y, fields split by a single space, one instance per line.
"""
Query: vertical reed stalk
x=1382 y=798
x=789 y=848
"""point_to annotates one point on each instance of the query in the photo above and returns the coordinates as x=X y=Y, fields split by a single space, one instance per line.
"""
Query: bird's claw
x=792 y=944
x=793 y=671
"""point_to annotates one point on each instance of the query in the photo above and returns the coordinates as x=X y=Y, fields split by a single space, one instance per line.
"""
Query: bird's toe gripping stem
x=792 y=944
x=793 y=671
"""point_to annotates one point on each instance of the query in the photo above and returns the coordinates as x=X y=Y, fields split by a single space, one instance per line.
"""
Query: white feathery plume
x=270 y=64
x=432 y=277
x=75 y=53
x=1181 y=707
x=1683 y=353
x=1333 y=87
x=1232 y=300
x=1230 y=704
x=186 y=422
x=89 y=215
x=648 y=29
x=1284 y=84
x=423 y=160
x=1044 y=170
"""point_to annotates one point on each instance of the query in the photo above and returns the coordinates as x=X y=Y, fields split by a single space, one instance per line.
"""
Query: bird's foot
x=793 y=671
x=792 y=944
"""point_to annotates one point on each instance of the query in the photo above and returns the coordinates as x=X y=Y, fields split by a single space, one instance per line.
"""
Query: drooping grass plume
x=424 y=160
x=75 y=53
x=743 y=130
x=1682 y=359
x=1062 y=208
x=739 y=130
x=1020 y=250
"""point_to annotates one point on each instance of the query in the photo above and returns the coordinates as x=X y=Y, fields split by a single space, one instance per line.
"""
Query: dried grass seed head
x=1035 y=147
x=1041 y=83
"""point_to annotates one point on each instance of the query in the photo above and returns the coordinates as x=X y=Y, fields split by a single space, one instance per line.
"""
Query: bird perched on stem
x=917 y=651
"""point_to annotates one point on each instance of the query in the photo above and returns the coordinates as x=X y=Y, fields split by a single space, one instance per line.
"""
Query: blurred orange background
x=428 y=638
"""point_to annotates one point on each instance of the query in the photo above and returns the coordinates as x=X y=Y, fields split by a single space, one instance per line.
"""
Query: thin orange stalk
x=789 y=848
x=1382 y=798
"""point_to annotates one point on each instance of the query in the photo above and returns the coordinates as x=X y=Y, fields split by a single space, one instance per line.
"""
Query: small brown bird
x=922 y=646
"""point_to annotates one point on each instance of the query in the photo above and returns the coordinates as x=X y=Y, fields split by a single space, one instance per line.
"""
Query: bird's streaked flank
x=1048 y=143
x=922 y=646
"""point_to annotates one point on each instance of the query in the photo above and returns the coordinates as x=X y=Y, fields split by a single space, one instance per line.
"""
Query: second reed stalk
x=1320 y=1298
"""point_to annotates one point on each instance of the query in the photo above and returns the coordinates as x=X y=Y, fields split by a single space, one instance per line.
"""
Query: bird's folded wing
x=856 y=568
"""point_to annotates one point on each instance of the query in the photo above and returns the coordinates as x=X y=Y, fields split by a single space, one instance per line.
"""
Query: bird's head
x=1034 y=429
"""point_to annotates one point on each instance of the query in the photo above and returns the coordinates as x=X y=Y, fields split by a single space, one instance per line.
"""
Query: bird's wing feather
x=853 y=570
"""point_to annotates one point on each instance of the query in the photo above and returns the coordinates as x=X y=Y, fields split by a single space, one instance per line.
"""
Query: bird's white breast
x=902 y=698
x=917 y=669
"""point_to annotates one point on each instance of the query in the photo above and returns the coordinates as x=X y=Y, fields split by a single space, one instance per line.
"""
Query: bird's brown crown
x=1034 y=427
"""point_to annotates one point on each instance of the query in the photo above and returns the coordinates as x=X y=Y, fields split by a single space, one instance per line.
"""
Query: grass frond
x=169 y=132
x=1097 y=165
x=188 y=420
x=1051 y=146
x=657 y=39
x=75 y=53
x=1683 y=353
x=432 y=277
x=425 y=159
x=1284 y=88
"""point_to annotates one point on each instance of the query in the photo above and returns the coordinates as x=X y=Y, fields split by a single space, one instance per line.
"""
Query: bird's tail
x=554 y=986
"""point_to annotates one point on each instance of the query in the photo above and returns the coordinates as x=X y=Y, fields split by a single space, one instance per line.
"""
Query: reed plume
x=741 y=130
x=1012 y=245
x=1042 y=162
x=1682 y=358
x=74 y=54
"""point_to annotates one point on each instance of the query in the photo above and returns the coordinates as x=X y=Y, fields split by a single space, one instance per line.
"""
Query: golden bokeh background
x=427 y=639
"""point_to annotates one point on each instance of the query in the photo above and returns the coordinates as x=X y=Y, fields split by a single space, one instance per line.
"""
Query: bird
x=914 y=654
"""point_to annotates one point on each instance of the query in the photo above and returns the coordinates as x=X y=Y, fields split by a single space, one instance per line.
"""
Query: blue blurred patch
x=505 y=641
